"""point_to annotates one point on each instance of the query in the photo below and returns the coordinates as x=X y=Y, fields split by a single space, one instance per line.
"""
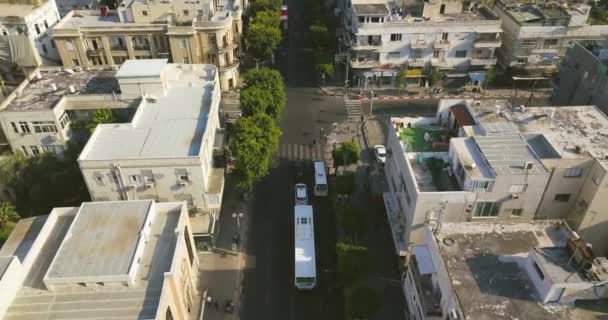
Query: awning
x=413 y=73
x=423 y=259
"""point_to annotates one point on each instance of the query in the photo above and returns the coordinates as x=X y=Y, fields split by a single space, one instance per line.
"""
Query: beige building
x=127 y=260
x=207 y=31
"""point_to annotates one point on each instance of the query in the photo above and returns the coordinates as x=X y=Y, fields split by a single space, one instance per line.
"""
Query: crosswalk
x=291 y=151
x=354 y=110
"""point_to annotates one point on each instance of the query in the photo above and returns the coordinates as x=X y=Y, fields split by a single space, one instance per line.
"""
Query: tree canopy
x=262 y=39
x=270 y=81
x=352 y=261
x=262 y=5
x=8 y=213
x=255 y=100
x=361 y=302
x=254 y=141
x=268 y=18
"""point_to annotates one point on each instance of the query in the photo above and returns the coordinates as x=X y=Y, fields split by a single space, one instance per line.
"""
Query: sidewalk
x=221 y=272
x=419 y=93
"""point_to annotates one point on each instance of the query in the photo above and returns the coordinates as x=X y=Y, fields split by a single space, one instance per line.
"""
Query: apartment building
x=166 y=152
x=387 y=38
x=539 y=270
x=33 y=18
x=583 y=77
x=126 y=259
x=37 y=116
x=536 y=35
x=207 y=31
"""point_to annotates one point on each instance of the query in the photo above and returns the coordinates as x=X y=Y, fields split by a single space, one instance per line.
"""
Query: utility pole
x=371 y=104
x=344 y=58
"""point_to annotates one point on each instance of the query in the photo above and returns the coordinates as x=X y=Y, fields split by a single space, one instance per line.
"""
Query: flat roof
x=22 y=237
x=39 y=95
x=565 y=128
x=372 y=9
x=101 y=241
x=18 y=9
x=35 y=301
x=165 y=126
x=483 y=263
x=507 y=154
x=134 y=68
x=89 y=18
x=471 y=158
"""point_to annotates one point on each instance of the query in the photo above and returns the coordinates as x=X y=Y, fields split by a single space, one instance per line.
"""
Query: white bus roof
x=320 y=177
x=306 y=265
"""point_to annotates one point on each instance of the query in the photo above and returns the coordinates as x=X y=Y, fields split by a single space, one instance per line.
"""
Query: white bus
x=304 y=243
x=320 y=180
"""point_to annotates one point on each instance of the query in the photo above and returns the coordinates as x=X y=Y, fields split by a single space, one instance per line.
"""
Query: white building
x=480 y=160
x=504 y=271
x=33 y=18
x=385 y=38
x=166 y=152
x=536 y=36
x=127 y=259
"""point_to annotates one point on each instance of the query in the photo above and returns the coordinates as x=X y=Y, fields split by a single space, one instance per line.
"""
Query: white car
x=301 y=194
x=380 y=153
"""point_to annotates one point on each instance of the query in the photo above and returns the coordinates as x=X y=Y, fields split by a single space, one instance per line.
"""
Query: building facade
x=206 y=32
x=33 y=18
x=583 y=77
x=166 y=152
x=131 y=259
x=386 y=40
x=536 y=36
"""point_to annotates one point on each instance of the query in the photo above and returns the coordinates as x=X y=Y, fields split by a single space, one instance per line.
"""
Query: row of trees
x=321 y=40
x=263 y=35
x=256 y=135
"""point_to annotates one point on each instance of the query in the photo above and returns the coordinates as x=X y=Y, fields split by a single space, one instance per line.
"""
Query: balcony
x=141 y=47
x=487 y=43
x=442 y=43
x=225 y=47
x=362 y=64
x=230 y=65
x=420 y=44
x=416 y=62
x=94 y=52
x=118 y=48
x=429 y=295
x=373 y=45
x=483 y=61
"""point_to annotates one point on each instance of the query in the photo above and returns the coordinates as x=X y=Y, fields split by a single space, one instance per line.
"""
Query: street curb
x=474 y=96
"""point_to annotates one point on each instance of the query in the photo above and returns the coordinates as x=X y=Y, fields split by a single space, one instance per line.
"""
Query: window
x=46 y=24
x=516 y=212
x=304 y=220
x=375 y=19
x=183 y=177
x=37 y=28
x=44 y=126
x=189 y=245
x=550 y=43
x=14 y=125
x=483 y=185
x=518 y=188
x=186 y=60
x=436 y=54
x=24 y=149
x=486 y=209
x=362 y=19
x=54 y=148
x=396 y=37
x=82 y=284
x=417 y=54
x=562 y=197
x=25 y=128
x=461 y=54
x=144 y=13
x=573 y=172
x=540 y=272
x=35 y=150
x=394 y=55
x=134 y=178
x=529 y=43
x=522 y=60
x=183 y=43
x=444 y=36
x=185 y=12
x=64 y=120
x=149 y=179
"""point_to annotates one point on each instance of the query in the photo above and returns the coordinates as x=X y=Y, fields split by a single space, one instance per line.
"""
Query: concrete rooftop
x=22 y=237
x=35 y=302
x=165 y=126
x=20 y=9
x=483 y=263
x=38 y=94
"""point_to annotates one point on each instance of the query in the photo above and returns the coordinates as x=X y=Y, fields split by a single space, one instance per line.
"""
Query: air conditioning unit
x=528 y=165
x=149 y=185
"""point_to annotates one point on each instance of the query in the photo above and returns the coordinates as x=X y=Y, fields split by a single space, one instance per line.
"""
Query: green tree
x=100 y=116
x=8 y=213
x=347 y=153
x=436 y=77
x=268 y=18
x=401 y=81
x=262 y=5
x=361 y=302
x=320 y=36
x=253 y=143
x=352 y=261
x=255 y=100
x=271 y=81
x=262 y=39
x=353 y=222
x=325 y=63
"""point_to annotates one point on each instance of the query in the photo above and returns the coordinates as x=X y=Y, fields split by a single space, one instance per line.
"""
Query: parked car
x=301 y=194
x=380 y=153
